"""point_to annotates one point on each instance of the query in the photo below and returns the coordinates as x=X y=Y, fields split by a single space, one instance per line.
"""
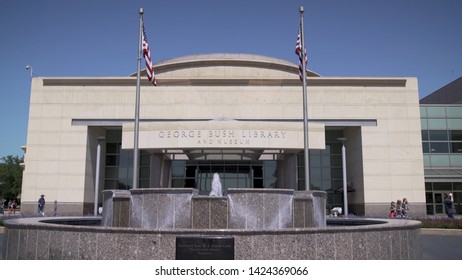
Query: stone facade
x=253 y=102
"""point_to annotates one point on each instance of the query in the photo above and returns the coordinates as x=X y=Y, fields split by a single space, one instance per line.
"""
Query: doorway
x=233 y=174
x=435 y=203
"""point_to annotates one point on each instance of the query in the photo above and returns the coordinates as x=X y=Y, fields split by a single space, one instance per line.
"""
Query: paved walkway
x=438 y=244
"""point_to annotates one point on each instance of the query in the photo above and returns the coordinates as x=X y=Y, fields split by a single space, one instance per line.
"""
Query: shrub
x=441 y=222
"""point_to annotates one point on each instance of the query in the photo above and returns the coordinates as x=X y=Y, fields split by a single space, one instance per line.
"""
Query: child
x=392 y=209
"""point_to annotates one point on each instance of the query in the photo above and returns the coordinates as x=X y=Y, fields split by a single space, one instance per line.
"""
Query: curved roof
x=227 y=59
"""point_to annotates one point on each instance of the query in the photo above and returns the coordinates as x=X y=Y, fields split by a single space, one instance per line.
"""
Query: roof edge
x=234 y=59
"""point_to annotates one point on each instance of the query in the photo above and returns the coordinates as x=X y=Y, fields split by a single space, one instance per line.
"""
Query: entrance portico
x=241 y=152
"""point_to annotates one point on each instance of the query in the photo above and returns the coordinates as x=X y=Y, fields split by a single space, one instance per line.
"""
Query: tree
x=10 y=177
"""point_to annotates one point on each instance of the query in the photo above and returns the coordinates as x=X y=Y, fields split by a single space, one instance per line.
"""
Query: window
x=455 y=135
x=326 y=171
x=425 y=148
x=119 y=164
x=425 y=135
x=438 y=135
x=454 y=112
x=441 y=141
x=456 y=147
x=439 y=147
x=434 y=196
x=436 y=112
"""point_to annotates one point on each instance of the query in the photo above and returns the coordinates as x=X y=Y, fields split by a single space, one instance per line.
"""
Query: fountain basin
x=78 y=238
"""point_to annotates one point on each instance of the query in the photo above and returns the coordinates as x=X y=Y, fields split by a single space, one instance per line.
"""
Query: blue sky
x=372 y=38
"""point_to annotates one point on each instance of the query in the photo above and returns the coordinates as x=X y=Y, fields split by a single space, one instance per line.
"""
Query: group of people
x=449 y=205
x=400 y=209
x=11 y=206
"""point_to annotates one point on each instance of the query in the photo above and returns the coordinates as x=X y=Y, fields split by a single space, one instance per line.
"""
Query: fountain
x=170 y=223
x=240 y=209
x=216 y=186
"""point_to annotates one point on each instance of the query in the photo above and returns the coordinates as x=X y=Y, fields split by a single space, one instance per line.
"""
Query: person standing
x=41 y=205
x=13 y=206
x=404 y=208
x=399 y=209
x=10 y=206
x=392 y=210
x=449 y=205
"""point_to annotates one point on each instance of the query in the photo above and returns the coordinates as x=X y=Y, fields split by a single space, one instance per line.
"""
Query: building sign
x=222 y=137
x=276 y=137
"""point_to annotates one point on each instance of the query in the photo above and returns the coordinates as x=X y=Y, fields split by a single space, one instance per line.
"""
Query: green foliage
x=439 y=222
x=10 y=177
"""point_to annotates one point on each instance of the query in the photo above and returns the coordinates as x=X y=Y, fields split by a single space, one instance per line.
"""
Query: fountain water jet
x=216 y=186
x=241 y=208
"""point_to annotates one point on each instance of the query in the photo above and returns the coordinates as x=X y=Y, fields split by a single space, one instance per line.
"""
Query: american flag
x=298 y=52
x=148 y=60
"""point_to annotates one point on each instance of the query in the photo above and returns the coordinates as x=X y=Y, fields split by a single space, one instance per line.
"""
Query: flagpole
x=305 y=105
x=136 y=152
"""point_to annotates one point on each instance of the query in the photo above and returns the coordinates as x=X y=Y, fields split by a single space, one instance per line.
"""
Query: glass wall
x=233 y=174
x=442 y=141
x=442 y=152
x=434 y=193
x=119 y=164
x=326 y=172
x=442 y=135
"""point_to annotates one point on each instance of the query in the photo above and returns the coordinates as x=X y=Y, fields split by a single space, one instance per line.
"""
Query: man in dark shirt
x=41 y=205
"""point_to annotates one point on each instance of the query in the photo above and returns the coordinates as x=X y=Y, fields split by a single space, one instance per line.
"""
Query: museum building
x=237 y=115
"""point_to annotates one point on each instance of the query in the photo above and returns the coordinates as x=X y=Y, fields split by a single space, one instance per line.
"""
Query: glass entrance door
x=438 y=203
x=435 y=203
x=198 y=174
x=231 y=176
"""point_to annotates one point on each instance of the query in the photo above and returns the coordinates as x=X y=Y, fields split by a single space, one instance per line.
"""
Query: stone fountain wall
x=150 y=223
x=131 y=228
x=81 y=238
x=160 y=208
x=240 y=209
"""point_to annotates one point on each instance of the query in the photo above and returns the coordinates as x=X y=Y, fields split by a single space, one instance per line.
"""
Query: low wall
x=37 y=238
